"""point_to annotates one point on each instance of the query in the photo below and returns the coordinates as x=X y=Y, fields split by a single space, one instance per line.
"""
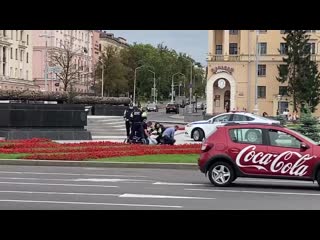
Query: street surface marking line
x=73 y=174
x=259 y=192
x=90 y=203
x=179 y=184
x=129 y=195
x=57 y=184
x=63 y=193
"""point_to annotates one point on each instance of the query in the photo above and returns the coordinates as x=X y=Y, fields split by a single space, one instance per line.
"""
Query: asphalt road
x=23 y=187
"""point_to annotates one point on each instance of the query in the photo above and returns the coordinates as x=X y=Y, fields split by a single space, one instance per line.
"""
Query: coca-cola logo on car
x=249 y=158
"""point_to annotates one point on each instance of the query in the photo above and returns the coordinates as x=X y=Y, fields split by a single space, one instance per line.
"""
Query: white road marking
x=258 y=192
x=73 y=174
x=80 y=179
x=58 y=184
x=129 y=195
x=179 y=184
x=63 y=193
x=90 y=203
x=109 y=180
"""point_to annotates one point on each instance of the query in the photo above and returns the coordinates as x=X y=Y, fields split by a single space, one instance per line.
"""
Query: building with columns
x=240 y=79
x=16 y=60
x=81 y=42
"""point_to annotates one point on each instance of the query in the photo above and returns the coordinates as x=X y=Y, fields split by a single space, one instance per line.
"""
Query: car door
x=214 y=122
x=246 y=147
x=289 y=158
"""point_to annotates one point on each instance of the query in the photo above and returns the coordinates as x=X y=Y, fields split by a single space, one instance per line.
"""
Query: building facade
x=80 y=41
x=108 y=39
x=240 y=79
x=16 y=60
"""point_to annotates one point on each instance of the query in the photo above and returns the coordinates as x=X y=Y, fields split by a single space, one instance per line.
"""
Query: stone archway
x=211 y=95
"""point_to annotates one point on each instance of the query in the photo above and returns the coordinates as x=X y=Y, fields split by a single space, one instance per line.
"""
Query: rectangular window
x=283 y=48
x=233 y=32
x=262 y=68
x=283 y=90
x=242 y=136
x=21 y=55
x=27 y=57
x=16 y=54
x=312 y=47
x=11 y=53
x=27 y=39
x=233 y=48
x=262 y=48
x=261 y=91
x=218 y=50
x=11 y=72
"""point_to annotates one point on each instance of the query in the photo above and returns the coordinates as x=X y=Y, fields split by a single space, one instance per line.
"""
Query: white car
x=202 y=129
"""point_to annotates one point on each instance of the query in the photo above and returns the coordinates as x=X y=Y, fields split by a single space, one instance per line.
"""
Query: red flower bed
x=46 y=149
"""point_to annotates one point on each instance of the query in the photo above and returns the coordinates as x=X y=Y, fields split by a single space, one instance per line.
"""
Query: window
x=27 y=39
x=233 y=32
x=219 y=49
x=261 y=91
x=283 y=48
x=246 y=135
x=17 y=35
x=27 y=57
x=312 y=47
x=262 y=48
x=222 y=118
x=21 y=55
x=11 y=34
x=262 y=68
x=16 y=54
x=11 y=53
x=21 y=76
x=4 y=33
x=282 y=139
x=283 y=90
x=16 y=73
x=238 y=117
x=21 y=35
x=233 y=48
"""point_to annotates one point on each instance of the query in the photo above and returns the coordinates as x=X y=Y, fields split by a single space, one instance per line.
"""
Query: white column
x=226 y=44
x=211 y=42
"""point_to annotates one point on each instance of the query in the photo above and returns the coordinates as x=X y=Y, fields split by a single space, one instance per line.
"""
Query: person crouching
x=168 y=135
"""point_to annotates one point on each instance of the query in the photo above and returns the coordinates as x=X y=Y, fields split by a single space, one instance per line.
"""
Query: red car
x=258 y=151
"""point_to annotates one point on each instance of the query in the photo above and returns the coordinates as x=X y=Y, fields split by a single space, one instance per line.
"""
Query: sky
x=191 y=42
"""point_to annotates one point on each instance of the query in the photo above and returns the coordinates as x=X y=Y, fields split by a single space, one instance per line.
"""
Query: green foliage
x=299 y=71
x=309 y=125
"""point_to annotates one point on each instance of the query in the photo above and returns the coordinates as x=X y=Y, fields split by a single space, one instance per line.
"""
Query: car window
x=282 y=139
x=222 y=118
x=249 y=118
x=246 y=135
x=238 y=117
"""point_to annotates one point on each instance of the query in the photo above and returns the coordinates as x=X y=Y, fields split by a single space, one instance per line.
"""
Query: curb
x=62 y=163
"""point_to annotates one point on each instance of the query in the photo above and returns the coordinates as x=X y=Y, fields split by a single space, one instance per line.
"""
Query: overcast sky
x=192 y=42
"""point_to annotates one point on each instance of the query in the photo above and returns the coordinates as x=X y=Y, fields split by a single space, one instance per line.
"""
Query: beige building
x=235 y=68
x=16 y=60
x=108 y=39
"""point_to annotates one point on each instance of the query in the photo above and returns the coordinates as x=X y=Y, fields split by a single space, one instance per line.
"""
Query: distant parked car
x=152 y=108
x=172 y=107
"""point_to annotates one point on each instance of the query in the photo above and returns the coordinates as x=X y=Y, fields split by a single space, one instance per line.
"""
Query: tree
x=115 y=73
x=65 y=58
x=309 y=125
x=300 y=71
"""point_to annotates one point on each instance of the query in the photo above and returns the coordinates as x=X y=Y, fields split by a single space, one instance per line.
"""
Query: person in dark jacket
x=126 y=116
x=136 y=120
x=159 y=129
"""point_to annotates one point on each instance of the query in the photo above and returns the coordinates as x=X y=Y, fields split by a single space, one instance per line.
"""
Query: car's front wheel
x=198 y=135
x=221 y=174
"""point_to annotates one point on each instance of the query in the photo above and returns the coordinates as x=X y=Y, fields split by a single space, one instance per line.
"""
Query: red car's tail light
x=206 y=147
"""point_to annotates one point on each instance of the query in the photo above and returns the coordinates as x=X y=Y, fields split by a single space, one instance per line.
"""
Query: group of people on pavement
x=139 y=130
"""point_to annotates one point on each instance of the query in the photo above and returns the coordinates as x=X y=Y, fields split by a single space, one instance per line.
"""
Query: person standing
x=126 y=117
x=136 y=123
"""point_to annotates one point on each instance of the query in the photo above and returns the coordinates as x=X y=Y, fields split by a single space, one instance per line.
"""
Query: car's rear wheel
x=221 y=174
x=198 y=135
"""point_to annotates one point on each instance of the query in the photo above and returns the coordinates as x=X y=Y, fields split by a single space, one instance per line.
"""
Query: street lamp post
x=256 y=110
x=135 y=82
x=279 y=98
x=102 y=80
x=172 y=85
x=190 y=78
x=154 y=85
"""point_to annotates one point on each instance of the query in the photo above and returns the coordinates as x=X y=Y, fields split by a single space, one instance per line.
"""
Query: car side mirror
x=304 y=146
